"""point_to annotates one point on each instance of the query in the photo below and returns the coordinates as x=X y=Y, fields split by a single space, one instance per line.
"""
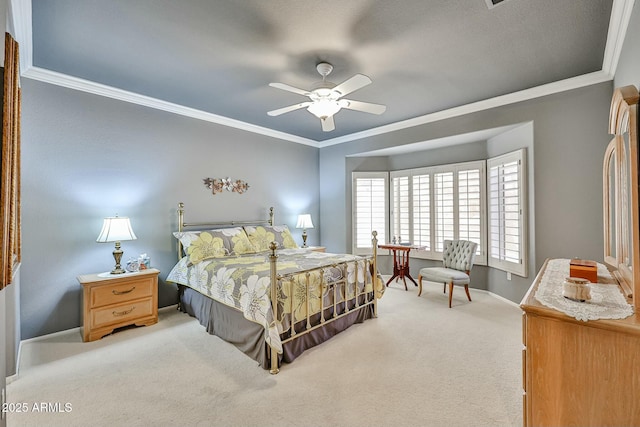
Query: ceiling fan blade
x=354 y=83
x=289 y=88
x=366 y=107
x=328 y=124
x=289 y=108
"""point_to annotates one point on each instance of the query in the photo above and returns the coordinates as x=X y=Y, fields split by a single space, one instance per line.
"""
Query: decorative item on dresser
x=113 y=301
x=259 y=291
x=581 y=360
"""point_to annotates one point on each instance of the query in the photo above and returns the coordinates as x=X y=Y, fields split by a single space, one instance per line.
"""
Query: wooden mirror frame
x=622 y=254
x=10 y=246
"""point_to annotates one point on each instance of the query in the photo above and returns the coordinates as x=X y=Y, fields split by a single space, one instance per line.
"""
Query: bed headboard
x=217 y=224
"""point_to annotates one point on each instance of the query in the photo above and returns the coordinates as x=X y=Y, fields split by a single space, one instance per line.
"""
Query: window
x=434 y=204
x=507 y=212
x=443 y=202
x=400 y=209
x=421 y=211
x=481 y=201
x=470 y=204
x=370 y=207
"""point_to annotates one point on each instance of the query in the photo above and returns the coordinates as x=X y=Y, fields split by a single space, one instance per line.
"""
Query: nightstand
x=317 y=248
x=112 y=301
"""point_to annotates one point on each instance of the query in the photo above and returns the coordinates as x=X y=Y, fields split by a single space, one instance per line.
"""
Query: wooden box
x=585 y=269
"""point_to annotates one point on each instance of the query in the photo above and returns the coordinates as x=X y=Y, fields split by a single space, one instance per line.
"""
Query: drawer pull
x=122 y=313
x=122 y=292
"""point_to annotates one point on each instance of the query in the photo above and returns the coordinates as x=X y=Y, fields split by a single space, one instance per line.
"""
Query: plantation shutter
x=470 y=207
x=370 y=207
x=421 y=211
x=444 y=225
x=507 y=190
x=400 y=209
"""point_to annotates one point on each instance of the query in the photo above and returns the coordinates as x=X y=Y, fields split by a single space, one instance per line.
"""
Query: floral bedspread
x=243 y=282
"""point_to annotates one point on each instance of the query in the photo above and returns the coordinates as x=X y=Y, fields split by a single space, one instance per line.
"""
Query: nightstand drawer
x=114 y=294
x=121 y=313
x=111 y=301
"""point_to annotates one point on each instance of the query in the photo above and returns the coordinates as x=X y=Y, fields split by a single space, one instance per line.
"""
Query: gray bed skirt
x=249 y=337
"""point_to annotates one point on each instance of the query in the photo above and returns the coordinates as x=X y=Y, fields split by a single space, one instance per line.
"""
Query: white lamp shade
x=115 y=229
x=304 y=221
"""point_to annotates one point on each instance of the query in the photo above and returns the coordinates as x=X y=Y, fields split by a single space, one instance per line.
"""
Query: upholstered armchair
x=457 y=259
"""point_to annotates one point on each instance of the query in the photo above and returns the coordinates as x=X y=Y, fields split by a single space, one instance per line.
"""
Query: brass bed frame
x=370 y=262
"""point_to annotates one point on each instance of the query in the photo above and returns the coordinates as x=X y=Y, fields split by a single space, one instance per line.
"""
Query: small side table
x=400 y=263
x=112 y=301
x=317 y=248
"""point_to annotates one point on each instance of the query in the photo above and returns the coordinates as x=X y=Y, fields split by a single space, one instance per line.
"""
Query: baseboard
x=12 y=378
x=66 y=331
x=39 y=338
x=173 y=307
x=508 y=301
x=52 y=334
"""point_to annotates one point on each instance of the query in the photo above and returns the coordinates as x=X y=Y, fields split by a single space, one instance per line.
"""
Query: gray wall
x=86 y=157
x=570 y=136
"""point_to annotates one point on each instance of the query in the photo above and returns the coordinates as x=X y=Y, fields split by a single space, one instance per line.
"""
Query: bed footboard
x=304 y=302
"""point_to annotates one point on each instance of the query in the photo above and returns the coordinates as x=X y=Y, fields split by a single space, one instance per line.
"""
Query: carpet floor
x=418 y=364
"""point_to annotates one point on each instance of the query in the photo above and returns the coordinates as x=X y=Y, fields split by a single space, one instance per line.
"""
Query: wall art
x=217 y=185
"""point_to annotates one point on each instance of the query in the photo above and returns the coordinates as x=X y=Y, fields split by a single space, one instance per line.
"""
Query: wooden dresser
x=578 y=373
x=112 y=301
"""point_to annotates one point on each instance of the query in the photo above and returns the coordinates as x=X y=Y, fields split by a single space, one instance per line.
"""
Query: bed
x=226 y=273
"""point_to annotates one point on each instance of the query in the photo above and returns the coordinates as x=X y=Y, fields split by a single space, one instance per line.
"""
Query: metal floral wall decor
x=217 y=185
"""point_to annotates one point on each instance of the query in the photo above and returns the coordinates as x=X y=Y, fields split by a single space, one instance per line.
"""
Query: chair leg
x=419 y=284
x=450 y=292
x=444 y=288
x=466 y=289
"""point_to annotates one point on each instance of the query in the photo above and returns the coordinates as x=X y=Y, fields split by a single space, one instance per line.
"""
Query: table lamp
x=115 y=229
x=304 y=222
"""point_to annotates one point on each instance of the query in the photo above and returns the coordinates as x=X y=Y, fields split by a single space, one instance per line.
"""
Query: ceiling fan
x=326 y=97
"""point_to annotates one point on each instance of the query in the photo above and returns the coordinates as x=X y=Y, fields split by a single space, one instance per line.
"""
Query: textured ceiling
x=219 y=56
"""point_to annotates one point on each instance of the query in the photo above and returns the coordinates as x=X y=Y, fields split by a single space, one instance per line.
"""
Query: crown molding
x=76 y=83
x=618 y=24
x=19 y=19
x=20 y=16
x=498 y=101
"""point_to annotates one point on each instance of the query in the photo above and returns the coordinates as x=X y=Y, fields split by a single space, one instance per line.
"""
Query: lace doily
x=607 y=302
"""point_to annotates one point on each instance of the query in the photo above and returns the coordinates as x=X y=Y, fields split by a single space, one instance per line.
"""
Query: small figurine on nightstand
x=132 y=265
x=144 y=262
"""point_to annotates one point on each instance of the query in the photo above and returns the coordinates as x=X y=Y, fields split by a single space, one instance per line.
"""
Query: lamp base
x=304 y=238
x=117 y=255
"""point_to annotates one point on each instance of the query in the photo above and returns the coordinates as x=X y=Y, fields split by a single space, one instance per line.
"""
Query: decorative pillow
x=199 y=245
x=262 y=236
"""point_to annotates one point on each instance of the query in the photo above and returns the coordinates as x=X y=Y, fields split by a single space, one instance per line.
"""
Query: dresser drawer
x=117 y=293
x=121 y=313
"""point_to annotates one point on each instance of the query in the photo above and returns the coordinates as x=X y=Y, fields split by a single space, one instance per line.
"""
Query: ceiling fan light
x=324 y=92
x=324 y=108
